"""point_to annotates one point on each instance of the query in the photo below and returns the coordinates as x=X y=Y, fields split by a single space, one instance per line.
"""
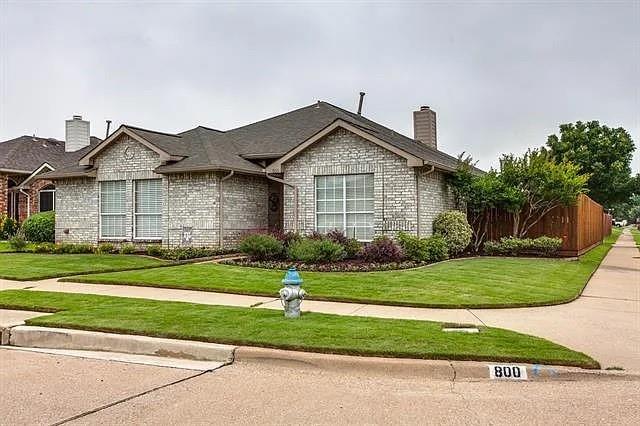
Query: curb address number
x=508 y=372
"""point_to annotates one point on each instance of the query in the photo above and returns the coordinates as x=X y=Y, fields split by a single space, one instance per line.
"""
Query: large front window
x=345 y=203
x=113 y=209
x=148 y=208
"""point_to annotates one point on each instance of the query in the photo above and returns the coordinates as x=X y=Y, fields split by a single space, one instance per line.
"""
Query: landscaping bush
x=432 y=249
x=511 y=246
x=18 y=241
x=315 y=251
x=382 y=249
x=80 y=248
x=127 y=248
x=547 y=246
x=261 y=247
x=155 y=250
x=44 y=248
x=437 y=248
x=106 y=248
x=455 y=229
x=8 y=227
x=351 y=246
x=40 y=227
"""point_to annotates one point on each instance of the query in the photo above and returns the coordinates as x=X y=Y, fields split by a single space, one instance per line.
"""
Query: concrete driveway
x=46 y=389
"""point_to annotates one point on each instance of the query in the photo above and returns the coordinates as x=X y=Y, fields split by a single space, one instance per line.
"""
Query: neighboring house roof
x=204 y=149
x=25 y=154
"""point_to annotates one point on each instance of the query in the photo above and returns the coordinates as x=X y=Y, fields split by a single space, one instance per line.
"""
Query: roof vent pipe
x=360 y=103
x=108 y=127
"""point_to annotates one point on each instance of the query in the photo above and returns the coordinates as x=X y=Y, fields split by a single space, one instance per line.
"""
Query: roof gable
x=276 y=166
x=155 y=141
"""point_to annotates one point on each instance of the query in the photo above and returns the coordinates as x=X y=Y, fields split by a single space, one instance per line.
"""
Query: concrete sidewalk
x=604 y=322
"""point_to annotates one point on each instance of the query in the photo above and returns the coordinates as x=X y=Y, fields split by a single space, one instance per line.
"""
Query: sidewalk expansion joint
x=129 y=398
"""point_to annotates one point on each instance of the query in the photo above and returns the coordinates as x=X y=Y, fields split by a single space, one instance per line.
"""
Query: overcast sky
x=501 y=75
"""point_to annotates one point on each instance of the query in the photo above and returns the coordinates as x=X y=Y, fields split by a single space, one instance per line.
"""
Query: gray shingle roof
x=27 y=153
x=206 y=149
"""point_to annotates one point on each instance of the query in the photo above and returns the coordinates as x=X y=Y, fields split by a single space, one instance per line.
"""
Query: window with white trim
x=345 y=202
x=148 y=209
x=47 y=198
x=113 y=209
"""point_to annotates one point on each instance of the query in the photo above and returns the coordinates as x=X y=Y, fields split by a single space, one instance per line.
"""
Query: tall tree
x=603 y=152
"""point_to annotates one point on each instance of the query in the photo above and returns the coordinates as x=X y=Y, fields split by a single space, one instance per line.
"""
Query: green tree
x=603 y=152
x=538 y=184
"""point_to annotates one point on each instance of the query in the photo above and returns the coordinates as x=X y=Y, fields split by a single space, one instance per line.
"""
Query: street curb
x=60 y=338
x=429 y=369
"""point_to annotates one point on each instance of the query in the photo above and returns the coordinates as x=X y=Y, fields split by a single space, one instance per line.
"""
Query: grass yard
x=268 y=328
x=31 y=266
x=469 y=283
x=636 y=235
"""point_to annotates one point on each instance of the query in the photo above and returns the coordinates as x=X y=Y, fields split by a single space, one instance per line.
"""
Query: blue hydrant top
x=292 y=277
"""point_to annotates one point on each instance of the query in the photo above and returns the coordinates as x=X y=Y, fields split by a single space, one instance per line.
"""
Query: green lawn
x=31 y=266
x=268 y=328
x=636 y=235
x=469 y=283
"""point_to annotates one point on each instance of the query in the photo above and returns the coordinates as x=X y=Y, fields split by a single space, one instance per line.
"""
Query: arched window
x=47 y=198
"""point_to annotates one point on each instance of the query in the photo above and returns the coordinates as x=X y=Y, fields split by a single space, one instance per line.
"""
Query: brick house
x=315 y=168
x=23 y=161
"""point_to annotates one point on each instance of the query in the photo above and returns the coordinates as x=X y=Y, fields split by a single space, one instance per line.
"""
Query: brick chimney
x=424 y=127
x=76 y=134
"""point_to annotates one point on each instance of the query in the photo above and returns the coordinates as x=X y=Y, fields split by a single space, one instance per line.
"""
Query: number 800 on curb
x=508 y=372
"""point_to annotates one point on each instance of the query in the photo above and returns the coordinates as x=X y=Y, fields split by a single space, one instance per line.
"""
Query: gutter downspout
x=418 y=197
x=220 y=211
x=295 y=198
x=28 y=202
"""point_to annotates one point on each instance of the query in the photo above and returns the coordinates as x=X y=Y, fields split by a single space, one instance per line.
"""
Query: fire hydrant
x=291 y=295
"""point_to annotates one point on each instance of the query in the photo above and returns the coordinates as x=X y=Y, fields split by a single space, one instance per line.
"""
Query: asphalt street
x=40 y=388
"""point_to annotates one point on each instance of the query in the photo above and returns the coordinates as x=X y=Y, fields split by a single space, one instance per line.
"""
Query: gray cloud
x=502 y=76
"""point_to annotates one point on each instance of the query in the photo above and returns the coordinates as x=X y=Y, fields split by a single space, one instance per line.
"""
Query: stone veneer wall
x=396 y=201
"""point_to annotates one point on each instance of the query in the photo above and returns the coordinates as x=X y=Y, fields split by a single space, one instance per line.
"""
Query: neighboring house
x=23 y=160
x=312 y=169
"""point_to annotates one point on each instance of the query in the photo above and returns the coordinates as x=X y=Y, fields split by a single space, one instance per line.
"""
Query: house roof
x=205 y=149
x=25 y=154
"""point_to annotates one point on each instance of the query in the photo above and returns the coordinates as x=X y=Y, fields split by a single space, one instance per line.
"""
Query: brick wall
x=34 y=193
x=245 y=206
x=3 y=193
x=395 y=183
x=77 y=210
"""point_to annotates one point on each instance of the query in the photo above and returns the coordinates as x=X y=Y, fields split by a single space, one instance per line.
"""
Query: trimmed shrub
x=315 y=251
x=436 y=247
x=155 y=250
x=382 y=250
x=351 y=246
x=106 y=248
x=432 y=249
x=79 y=248
x=18 y=242
x=455 y=229
x=261 y=247
x=44 y=248
x=547 y=246
x=40 y=227
x=511 y=246
x=8 y=227
x=127 y=248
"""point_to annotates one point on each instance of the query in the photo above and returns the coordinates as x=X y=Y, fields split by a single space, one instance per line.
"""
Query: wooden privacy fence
x=581 y=226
